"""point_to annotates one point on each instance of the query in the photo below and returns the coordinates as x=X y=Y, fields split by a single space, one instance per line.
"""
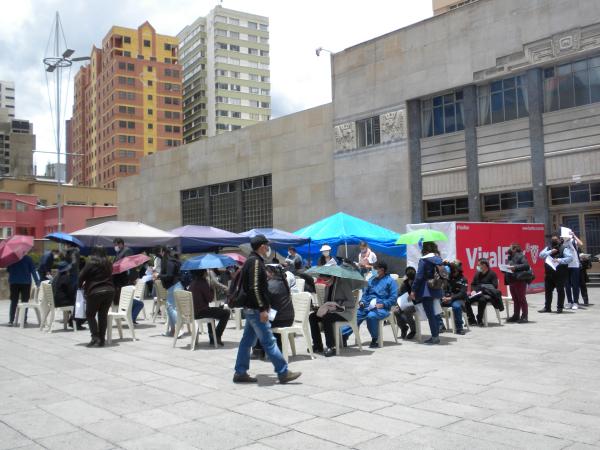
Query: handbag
x=80 y=304
x=526 y=275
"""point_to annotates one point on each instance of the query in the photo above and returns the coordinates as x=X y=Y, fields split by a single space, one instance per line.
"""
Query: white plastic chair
x=485 y=317
x=301 y=301
x=185 y=316
x=138 y=294
x=237 y=318
x=352 y=323
x=300 y=283
x=34 y=303
x=507 y=301
x=160 y=301
x=448 y=314
x=391 y=319
x=52 y=309
x=123 y=312
x=320 y=291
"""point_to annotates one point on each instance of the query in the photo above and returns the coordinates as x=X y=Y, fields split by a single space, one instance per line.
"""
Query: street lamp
x=55 y=64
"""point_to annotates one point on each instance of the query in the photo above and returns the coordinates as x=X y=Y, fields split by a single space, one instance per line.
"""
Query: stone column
x=535 y=95
x=413 y=113
x=470 y=122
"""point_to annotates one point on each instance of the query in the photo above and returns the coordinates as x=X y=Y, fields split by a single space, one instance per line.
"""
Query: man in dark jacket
x=170 y=277
x=202 y=295
x=257 y=303
x=120 y=279
x=555 y=276
x=406 y=317
x=46 y=263
x=64 y=291
x=485 y=285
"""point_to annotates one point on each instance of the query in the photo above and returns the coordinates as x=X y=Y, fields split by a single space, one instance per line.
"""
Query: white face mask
x=269 y=252
x=326 y=253
x=117 y=248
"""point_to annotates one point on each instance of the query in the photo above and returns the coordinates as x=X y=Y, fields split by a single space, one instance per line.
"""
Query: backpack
x=236 y=297
x=440 y=278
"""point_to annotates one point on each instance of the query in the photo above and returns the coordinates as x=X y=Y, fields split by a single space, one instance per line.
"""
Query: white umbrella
x=135 y=234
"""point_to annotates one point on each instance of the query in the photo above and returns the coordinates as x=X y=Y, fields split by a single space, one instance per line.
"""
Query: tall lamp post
x=55 y=64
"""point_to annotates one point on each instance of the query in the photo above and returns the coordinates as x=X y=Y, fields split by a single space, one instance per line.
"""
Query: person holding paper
x=484 y=289
x=572 y=286
x=378 y=298
x=557 y=258
x=405 y=316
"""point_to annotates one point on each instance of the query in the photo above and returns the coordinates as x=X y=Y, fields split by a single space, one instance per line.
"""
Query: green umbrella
x=424 y=234
x=343 y=271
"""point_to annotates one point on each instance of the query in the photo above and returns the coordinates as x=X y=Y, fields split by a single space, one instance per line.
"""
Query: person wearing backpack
x=428 y=286
x=170 y=279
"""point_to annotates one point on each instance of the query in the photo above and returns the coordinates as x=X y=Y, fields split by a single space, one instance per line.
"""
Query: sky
x=299 y=79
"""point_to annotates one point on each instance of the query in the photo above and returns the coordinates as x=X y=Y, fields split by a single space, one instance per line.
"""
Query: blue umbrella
x=64 y=238
x=208 y=261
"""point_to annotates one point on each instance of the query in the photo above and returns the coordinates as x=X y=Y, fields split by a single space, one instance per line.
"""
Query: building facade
x=55 y=171
x=489 y=112
x=226 y=73
x=127 y=105
x=443 y=6
x=7 y=97
x=17 y=143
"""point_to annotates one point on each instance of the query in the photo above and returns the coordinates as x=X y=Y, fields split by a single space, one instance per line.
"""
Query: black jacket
x=96 y=276
x=281 y=298
x=406 y=287
x=519 y=262
x=486 y=283
x=457 y=287
x=63 y=290
x=169 y=272
x=254 y=282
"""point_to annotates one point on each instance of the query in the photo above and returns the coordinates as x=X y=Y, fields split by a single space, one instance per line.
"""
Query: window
x=572 y=84
x=236 y=114
x=122 y=65
x=367 y=132
x=127 y=40
x=264 y=27
x=221 y=45
x=235 y=127
x=264 y=53
x=508 y=200
x=575 y=193
x=147 y=43
x=167 y=46
x=131 y=125
x=222 y=126
x=502 y=100
x=234 y=35
x=21 y=207
x=252 y=51
x=254 y=90
x=150 y=111
x=268 y=105
x=130 y=67
x=253 y=25
x=122 y=124
x=447 y=207
x=252 y=38
x=220 y=32
x=150 y=126
x=442 y=114
x=150 y=140
x=131 y=139
x=235 y=87
x=222 y=113
x=234 y=21
x=150 y=83
x=150 y=97
x=234 y=48
x=5 y=204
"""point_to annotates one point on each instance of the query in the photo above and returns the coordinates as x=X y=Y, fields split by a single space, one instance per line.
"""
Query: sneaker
x=288 y=376
x=243 y=378
x=432 y=341
x=574 y=306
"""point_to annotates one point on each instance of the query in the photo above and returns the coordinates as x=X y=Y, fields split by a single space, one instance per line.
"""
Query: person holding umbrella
x=120 y=279
x=19 y=280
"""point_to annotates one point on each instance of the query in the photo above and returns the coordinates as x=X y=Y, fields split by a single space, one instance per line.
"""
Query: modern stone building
x=17 y=143
x=489 y=112
x=7 y=97
x=226 y=76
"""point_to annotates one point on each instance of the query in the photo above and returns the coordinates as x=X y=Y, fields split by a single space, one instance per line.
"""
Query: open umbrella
x=129 y=262
x=208 y=261
x=64 y=238
x=13 y=249
x=422 y=235
x=240 y=259
x=342 y=271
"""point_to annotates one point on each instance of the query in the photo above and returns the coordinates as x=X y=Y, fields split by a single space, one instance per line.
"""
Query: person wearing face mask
x=120 y=279
x=572 y=287
x=456 y=296
x=555 y=277
x=256 y=301
x=326 y=259
x=366 y=258
x=518 y=286
x=485 y=282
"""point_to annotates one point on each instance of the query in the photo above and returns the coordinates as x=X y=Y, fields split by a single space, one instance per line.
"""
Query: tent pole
x=346 y=245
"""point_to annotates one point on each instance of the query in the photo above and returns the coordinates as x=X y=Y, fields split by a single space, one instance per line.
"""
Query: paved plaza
x=515 y=386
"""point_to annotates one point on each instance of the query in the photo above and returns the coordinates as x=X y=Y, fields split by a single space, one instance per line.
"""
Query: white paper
x=565 y=232
x=404 y=301
x=373 y=304
x=550 y=261
x=272 y=314
x=475 y=294
x=504 y=268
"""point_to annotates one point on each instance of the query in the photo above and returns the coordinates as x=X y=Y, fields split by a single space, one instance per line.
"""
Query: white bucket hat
x=325 y=248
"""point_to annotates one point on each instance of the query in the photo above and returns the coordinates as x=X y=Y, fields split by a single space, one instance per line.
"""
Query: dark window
x=502 y=100
x=367 y=131
x=447 y=207
x=507 y=200
x=442 y=114
x=572 y=84
x=127 y=40
x=147 y=43
x=575 y=193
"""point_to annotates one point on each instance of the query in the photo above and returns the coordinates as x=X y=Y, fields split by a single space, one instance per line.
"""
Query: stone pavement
x=515 y=386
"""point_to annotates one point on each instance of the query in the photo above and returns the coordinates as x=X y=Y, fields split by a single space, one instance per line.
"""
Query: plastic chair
x=507 y=301
x=301 y=301
x=123 y=312
x=138 y=294
x=34 y=303
x=300 y=282
x=391 y=319
x=352 y=323
x=185 y=316
x=237 y=317
x=160 y=301
x=485 y=317
x=52 y=309
x=448 y=314
x=320 y=291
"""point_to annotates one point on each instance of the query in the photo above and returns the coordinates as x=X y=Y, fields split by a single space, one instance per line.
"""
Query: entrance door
x=573 y=223
x=592 y=233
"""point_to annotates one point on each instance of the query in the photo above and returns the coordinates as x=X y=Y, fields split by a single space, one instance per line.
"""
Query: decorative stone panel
x=393 y=126
x=345 y=136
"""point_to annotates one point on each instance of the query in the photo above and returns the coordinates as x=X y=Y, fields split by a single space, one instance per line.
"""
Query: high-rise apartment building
x=17 y=143
x=226 y=75
x=127 y=105
x=7 y=97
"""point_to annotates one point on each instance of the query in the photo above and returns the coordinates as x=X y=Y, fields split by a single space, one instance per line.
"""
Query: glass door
x=592 y=233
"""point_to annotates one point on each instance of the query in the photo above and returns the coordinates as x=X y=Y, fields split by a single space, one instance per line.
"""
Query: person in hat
x=326 y=259
x=19 y=281
x=366 y=258
x=64 y=291
x=256 y=301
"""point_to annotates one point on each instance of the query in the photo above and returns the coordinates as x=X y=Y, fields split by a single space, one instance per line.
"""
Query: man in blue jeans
x=256 y=303
x=378 y=298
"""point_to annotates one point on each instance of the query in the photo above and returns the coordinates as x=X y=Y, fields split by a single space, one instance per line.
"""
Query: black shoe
x=81 y=328
x=93 y=342
x=443 y=329
x=558 y=311
x=373 y=343
x=480 y=322
x=220 y=343
x=512 y=319
x=316 y=349
x=101 y=343
x=472 y=322
x=403 y=331
x=411 y=335
x=545 y=310
x=288 y=376
x=523 y=320
x=345 y=340
x=243 y=378
x=432 y=341
x=461 y=332
x=329 y=352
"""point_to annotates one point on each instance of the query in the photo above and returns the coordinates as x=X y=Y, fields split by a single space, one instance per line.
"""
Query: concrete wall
x=296 y=149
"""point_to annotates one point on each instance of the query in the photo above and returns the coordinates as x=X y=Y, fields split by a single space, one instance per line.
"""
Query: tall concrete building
x=226 y=75
x=7 y=97
x=127 y=105
x=442 y=6
x=17 y=143
x=56 y=171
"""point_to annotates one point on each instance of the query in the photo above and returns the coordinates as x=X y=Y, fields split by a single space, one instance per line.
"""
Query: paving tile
x=311 y=406
x=118 y=430
x=157 y=441
x=36 y=424
x=205 y=436
x=352 y=401
x=74 y=441
x=246 y=426
x=193 y=409
x=11 y=438
x=223 y=399
x=272 y=413
x=455 y=409
x=418 y=416
x=377 y=423
x=334 y=431
x=78 y=412
x=157 y=418
x=294 y=440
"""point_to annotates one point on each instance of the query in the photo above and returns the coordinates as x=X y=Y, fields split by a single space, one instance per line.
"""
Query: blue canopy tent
x=196 y=238
x=344 y=229
x=280 y=240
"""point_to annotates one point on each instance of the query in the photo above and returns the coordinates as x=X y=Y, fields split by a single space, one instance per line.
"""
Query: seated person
x=484 y=289
x=406 y=317
x=64 y=291
x=456 y=294
x=281 y=301
x=202 y=295
x=340 y=302
x=378 y=298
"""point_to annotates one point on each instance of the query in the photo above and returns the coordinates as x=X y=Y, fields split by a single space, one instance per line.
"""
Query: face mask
x=478 y=269
x=268 y=255
x=363 y=251
x=326 y=253
x=555 y=243
x=117 y=248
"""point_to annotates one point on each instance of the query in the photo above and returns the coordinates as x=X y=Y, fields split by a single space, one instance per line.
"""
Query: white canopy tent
x=135 y=234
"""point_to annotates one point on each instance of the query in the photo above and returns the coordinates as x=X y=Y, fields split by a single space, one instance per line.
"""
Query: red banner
x=475 y=240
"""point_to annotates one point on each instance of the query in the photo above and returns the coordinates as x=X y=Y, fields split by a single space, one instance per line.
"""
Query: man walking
x=256 y=303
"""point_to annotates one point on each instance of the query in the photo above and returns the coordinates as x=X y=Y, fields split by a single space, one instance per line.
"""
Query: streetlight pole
x=55 y=64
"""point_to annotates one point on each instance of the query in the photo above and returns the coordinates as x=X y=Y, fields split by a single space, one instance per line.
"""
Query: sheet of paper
x=373 y=304
x=550 y=261
x=565 y=232
x=475 y=294
x=504 y=268
x=272 y=314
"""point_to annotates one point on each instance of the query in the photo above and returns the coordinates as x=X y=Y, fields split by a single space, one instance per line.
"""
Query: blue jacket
x=425 y=272
x=46 y=262
x=22 y=271
x=384 y=290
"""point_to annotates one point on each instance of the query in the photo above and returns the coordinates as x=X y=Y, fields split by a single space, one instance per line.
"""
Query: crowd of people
x=263 y=288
